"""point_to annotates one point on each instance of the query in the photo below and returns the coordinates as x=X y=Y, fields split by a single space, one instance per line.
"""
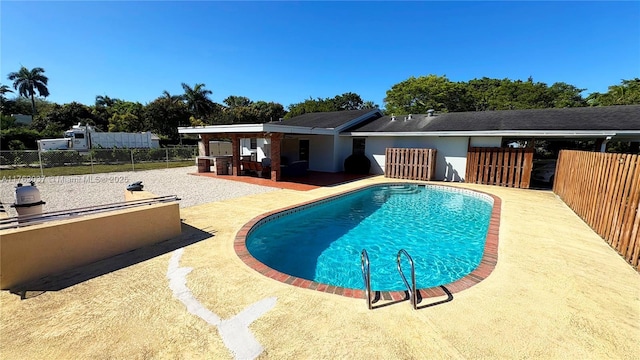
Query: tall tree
x=4 y=89
x=418 y=95
x=369 y=105
x=27 y=82
x=237 y=101
x=128 y=116
x=627 y=93
x=165 y=114
x=173 y=99
x=565 y=95
x=197 y=99
x=346 y=101
x=103 y=110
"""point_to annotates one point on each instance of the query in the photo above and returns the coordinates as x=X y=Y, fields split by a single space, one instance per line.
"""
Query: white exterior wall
x=344 y=148
x=321 y=151
x=451 y=156
x=494 y=141
x=262 y=151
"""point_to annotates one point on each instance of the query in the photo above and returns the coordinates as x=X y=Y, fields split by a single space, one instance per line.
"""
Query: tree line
x=417 y=95
x=194 y=106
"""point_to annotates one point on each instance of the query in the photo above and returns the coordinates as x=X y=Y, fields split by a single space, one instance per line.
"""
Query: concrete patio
x=558 y=291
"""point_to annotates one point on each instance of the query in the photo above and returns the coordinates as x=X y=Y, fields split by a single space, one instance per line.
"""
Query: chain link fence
x=71 y=162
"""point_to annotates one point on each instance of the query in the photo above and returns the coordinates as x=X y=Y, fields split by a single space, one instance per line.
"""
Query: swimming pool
x=444 y=229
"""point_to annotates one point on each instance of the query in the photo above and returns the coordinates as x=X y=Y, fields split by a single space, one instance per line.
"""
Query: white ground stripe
x=235 y=331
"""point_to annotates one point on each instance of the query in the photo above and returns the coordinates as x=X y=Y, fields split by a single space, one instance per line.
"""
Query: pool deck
x=558 y=291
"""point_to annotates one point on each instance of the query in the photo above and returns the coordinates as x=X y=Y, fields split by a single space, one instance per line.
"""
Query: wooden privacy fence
x=499 y=166
x=604 y=190
x=410 y=164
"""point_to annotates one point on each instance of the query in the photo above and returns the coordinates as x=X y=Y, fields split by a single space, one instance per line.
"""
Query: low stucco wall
x=35 y=251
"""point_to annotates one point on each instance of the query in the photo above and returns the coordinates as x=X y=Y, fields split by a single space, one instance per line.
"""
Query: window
x=254 y=144
x=79 y=135
x=303 y=150
x=358 y=145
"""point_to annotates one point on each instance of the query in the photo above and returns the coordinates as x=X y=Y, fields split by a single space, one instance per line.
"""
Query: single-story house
x=326 y=139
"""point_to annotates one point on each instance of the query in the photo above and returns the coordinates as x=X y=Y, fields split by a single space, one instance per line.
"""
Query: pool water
x=443 y=229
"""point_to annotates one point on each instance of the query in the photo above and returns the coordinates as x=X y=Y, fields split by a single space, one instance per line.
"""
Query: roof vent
x=280 y=119
x=393 y=117
x=430 y=112
x=409 y=117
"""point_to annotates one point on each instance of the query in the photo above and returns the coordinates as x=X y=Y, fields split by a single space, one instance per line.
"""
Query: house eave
x=254 y=128
x=502 y=133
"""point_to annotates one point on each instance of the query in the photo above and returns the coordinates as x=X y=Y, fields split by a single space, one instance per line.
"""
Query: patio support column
x=204 y=149
x=235 y=144
x=276 y=139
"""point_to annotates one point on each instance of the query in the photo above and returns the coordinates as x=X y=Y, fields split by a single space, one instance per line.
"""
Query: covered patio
x=204 y=158
x=309 y=142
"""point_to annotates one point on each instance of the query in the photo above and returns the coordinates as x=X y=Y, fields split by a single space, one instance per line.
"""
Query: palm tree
x=3 y=90
x=197 y=99
x=171 y=99
x=27 y=82
x=104 y=101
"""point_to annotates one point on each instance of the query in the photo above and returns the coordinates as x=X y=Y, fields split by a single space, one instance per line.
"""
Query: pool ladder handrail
x=366 y=276
x=411 y=288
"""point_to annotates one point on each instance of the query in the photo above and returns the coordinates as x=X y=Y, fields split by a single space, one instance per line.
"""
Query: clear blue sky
x=289 y=51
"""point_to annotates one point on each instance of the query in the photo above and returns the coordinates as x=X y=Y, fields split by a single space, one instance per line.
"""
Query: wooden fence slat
x=492 y=168
x=621 y=200
x=631 y=208
x=527 y=166
x=499 y=168
x=512 y=167
x=505 y=167
x=611 y=196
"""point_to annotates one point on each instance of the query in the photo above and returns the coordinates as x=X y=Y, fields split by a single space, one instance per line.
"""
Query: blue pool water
x=443 y=229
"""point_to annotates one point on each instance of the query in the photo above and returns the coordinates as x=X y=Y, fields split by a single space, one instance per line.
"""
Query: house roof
x=322 y=123
x=327 y=120
x=620 y=121
x=587 y=120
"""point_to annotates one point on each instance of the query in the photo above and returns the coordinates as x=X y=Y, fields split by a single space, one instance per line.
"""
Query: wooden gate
x=410 y=164
x=508 y=167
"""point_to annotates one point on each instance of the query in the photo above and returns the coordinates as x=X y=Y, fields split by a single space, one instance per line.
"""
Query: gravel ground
x=68 y=192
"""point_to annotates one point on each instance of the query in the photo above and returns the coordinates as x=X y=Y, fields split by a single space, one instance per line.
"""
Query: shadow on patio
x=312 y=180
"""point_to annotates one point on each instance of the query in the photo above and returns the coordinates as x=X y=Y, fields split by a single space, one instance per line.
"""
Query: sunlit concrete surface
x=558 y=291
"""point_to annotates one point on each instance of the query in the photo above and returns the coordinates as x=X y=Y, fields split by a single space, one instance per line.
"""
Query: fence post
x=91 y=159
x=133 y=166
x=166 y=156
x=40 y=161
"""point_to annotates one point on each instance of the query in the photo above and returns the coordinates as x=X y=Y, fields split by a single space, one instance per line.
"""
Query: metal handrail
x=366 y=276
x=19 y=221
x=412 y=289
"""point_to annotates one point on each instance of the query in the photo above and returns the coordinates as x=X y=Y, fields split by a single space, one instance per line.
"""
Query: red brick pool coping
x=484 y=269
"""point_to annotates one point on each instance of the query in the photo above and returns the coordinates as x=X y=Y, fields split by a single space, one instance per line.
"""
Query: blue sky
x=289 y=51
